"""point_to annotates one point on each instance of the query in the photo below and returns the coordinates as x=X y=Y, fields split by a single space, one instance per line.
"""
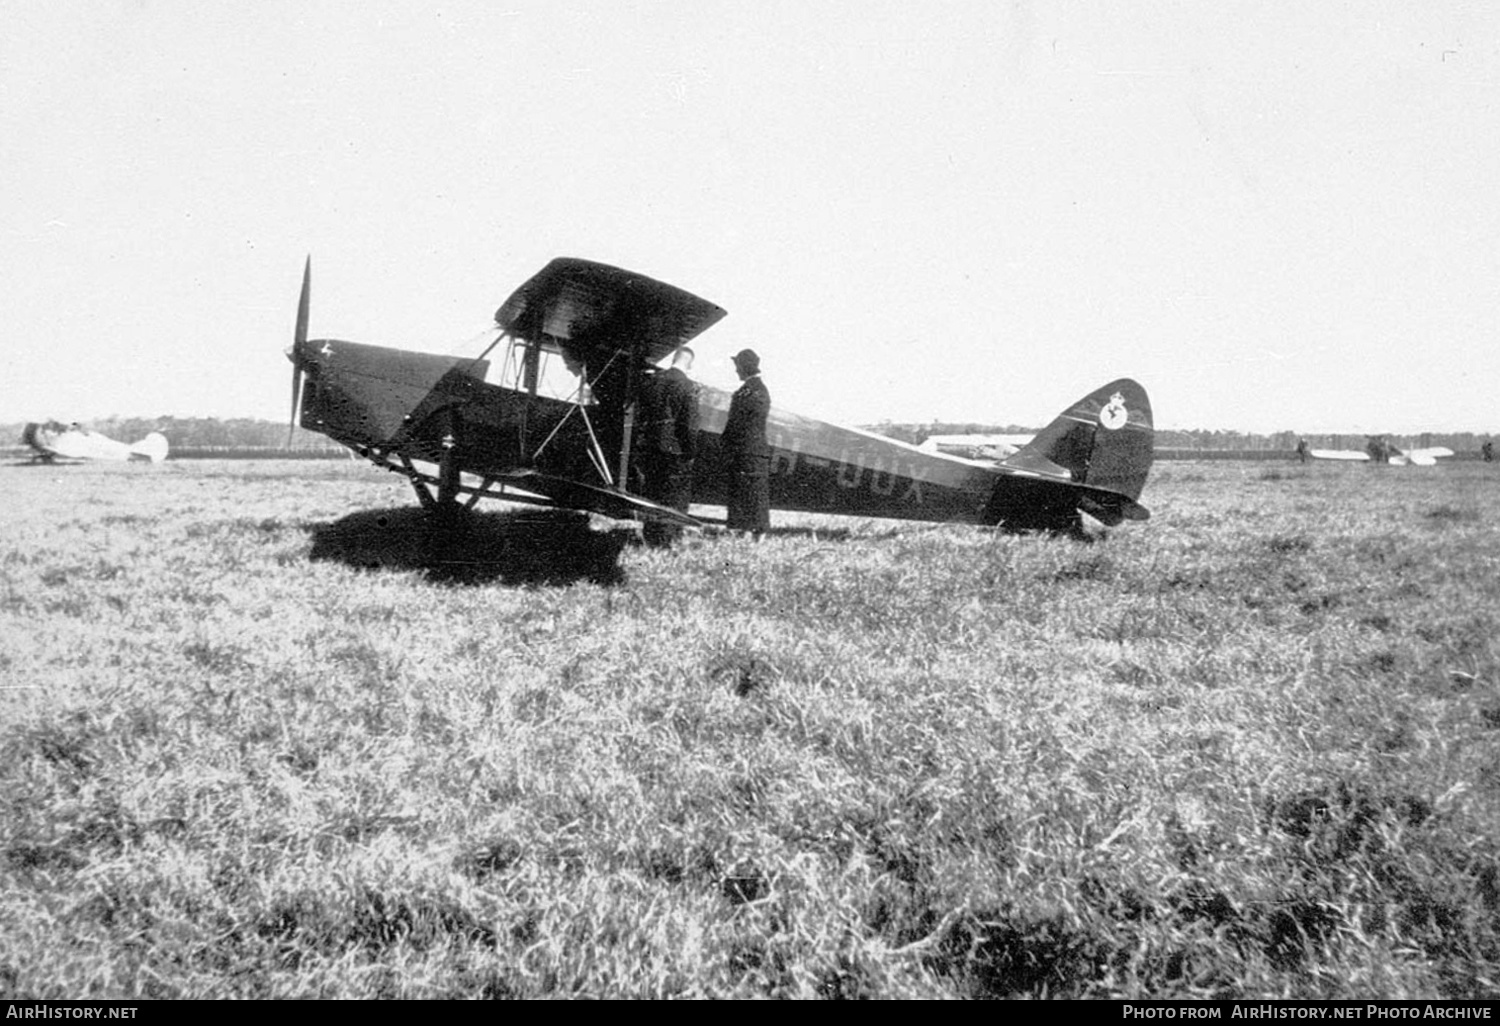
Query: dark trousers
x=750 y=496
x=669 y=481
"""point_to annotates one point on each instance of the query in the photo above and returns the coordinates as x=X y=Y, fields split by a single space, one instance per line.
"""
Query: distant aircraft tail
x=153 y=447
x=1102 y=446
x=35 y=436
x=1420 y=457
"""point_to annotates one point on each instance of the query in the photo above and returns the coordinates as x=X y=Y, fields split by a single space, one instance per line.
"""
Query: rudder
x=1102 y=446
x=153 y=447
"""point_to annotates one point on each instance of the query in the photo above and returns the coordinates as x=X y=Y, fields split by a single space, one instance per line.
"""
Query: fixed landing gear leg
x=448 y=509
x=424 y=496
x=448 y=474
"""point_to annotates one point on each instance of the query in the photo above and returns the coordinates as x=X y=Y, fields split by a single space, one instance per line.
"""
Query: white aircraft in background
x=1382 y=451
x=52 y=442
x=976 y=447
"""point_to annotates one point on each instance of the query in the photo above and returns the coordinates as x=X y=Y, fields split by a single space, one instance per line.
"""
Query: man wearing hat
x=745 y=449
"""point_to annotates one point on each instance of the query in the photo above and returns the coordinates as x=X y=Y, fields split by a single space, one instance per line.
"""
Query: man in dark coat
x=745 y=449
x=671 y=443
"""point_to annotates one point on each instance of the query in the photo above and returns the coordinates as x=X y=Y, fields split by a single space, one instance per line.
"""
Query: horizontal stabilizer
x=1034 y=464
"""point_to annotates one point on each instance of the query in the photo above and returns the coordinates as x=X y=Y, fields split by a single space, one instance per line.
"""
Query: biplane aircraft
x=1379 y=450
x=51 y=442
x=461 y=430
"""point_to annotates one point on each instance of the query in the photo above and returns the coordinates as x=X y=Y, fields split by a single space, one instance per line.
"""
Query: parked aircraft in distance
x=1380 y=450
x=976 y=447
x=51 y=442
x=458 y=436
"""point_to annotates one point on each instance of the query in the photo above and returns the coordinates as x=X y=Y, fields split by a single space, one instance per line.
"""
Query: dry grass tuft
x=266 y=736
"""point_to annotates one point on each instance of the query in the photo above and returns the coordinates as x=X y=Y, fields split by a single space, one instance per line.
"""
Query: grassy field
x=262 y=735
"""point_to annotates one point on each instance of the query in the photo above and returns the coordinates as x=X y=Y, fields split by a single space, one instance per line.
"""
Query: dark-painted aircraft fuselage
x=443 y=423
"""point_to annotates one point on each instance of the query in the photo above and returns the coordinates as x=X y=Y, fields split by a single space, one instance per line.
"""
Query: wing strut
x=596 y=449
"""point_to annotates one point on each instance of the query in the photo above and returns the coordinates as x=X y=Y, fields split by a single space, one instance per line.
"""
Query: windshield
x=557 y=376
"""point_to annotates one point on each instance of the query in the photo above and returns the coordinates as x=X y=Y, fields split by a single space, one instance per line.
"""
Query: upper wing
x=596 y=306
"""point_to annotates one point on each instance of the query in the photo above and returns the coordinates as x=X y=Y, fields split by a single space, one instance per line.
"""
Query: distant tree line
x=249 y=433
x=1458 y=441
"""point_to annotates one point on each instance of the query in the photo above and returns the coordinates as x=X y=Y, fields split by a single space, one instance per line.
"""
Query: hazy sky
x=1273 y=215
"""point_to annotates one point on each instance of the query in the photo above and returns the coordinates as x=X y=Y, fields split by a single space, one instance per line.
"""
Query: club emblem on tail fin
x=1114 y=415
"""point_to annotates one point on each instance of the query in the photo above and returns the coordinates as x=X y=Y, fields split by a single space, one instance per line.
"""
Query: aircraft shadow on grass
x=518 y=547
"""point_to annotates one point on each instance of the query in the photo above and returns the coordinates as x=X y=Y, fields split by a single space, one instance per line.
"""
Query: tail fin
x=1103 y=444
x=153 y=447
